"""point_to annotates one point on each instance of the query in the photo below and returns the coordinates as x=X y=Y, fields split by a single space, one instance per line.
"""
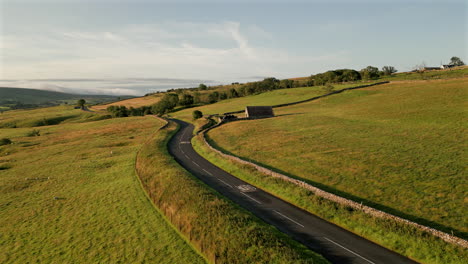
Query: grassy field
x=401 y=238
x=224 y=232
x=133 y=102
x=398 y=147
x=47 y=116
x=27 y=98
x=458 y=72
x=268 y=98
x=71 y=195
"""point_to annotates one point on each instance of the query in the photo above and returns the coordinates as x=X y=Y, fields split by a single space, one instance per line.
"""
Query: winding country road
x=334 y=243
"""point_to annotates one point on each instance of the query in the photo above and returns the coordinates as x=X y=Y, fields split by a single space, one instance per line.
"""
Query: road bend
x=331 y=241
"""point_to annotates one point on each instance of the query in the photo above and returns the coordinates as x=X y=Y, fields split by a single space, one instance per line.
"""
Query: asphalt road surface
x=334 y=243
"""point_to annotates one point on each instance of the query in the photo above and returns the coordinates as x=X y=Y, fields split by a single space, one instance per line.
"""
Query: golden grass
x=280 y=96
x=399 y=147
x=224 y=232
x=71 y=196
x=47 y=116
x=133 y=102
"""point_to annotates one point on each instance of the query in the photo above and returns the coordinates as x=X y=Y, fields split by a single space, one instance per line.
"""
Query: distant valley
x=22 y=98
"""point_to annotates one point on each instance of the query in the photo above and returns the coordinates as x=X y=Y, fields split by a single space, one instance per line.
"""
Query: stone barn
x=258 y=111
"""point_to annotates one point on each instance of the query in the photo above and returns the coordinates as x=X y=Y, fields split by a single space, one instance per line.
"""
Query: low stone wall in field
x=316 y=97
x=338 y=199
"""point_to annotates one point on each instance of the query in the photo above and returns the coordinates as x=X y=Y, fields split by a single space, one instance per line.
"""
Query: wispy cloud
x=178 y=50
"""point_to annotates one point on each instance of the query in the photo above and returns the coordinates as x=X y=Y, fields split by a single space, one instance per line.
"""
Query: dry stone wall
x=338 y=199
x=316 y=97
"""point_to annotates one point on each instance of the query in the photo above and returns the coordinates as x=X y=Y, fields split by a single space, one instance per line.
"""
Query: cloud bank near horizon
x=180 y=50
x=222 y=42
x=127 y=86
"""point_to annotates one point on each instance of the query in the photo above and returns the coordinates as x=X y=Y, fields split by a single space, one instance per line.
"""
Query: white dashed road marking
x=349 y=250
x=288 y=218
x=207 y=172
x=196 y=163
x=225 y=183
x=251 y=198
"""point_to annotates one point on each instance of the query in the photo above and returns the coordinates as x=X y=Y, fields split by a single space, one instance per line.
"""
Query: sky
x=135 y=47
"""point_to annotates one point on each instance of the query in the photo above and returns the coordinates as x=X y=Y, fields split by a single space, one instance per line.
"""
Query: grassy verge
x=403 y=239
x=221 y=230
x=71 y=195
x=369 y=145
x=202 y=123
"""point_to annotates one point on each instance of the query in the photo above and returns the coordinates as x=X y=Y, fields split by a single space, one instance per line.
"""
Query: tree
x=370 y=72
x=171 y=99
x=81 y=103
x=348 y=75
x=186 y=100
x=233 y=93
x=118 y=111
x=223 y=96
x=455 y=61
x=388 y=70
x=202 y=87
x=319 y=79
x=197 y=114
x=286 y=83
x=122 y=111
x=242 y=91
x=197 y=98
x=213 y=97
x=161 y=107
x=135 y=111
x=268 y=84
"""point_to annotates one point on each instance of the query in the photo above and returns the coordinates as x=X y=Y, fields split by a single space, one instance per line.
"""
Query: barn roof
x=259 y=111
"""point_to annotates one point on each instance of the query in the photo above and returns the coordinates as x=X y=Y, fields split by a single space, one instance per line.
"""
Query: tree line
x=349 y=75
x=200 y=95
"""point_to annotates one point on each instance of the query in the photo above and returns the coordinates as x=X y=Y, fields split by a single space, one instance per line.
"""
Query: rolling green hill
x=398 y=147
x=71 y=195
x=16 y=98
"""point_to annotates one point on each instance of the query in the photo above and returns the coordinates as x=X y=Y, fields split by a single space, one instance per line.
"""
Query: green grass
x=406 y=240
x=460 y=72
x=370 y=145
x=35 y=96
x=269 y=98
x=101 y=215
x=224 y=232
x=47 y=116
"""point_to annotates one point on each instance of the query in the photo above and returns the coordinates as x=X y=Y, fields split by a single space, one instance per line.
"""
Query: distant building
x=430 y=68
x=258 y=111
x=448 y=66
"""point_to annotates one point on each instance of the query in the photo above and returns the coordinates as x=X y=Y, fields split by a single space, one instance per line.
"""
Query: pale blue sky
x=223 y=41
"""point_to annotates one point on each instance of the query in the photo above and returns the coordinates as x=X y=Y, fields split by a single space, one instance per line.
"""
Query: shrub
x=197 y=114
x=33 y=133
x=5 y=141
